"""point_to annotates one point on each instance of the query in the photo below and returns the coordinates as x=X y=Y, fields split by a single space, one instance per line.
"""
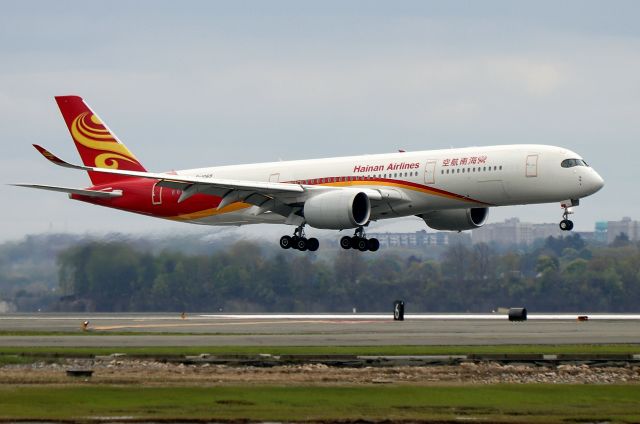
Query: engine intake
x=337 y=210
x=456 y=219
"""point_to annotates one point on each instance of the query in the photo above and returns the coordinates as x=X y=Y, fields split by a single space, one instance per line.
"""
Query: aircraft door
x=532 y=166
x=274 y=178
x=156 y=194
x=430 y=172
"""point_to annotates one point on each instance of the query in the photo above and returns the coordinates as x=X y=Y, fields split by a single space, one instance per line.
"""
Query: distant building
x=421 y=239
x=626 y=226
x=512 y=231
x=509 y=232
x=601 y=230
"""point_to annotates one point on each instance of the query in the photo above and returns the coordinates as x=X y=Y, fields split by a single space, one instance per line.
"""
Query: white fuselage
x=426 y=180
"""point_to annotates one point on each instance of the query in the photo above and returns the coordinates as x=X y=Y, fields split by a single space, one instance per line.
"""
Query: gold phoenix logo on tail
x=88 y=130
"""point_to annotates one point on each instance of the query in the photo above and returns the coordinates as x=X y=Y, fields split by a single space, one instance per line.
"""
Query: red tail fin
x=97 y=145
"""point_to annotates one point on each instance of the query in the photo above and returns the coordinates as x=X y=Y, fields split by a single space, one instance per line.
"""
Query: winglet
x=53 y=158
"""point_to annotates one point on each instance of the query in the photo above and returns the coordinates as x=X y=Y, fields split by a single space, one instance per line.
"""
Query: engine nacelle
x=337 y=210
x=456 y=219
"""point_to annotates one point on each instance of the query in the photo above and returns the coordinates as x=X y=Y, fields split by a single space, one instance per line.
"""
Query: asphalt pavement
x=312 y=330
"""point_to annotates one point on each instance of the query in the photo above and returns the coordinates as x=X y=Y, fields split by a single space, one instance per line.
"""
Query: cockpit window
x=570 y=163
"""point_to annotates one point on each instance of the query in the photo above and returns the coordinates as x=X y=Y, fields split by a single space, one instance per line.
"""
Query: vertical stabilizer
x=97 y=144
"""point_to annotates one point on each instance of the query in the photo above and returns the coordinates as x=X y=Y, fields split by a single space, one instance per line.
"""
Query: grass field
x=494 y=403
x=323 y=350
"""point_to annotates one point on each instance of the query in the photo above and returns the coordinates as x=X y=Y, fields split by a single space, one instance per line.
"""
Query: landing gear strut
x=566 y=224
x=360 y=242
x=299 y=241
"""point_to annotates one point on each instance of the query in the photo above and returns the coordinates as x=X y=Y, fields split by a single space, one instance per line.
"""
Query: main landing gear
x=359 y=241
x=566 y=224
x=299 y=241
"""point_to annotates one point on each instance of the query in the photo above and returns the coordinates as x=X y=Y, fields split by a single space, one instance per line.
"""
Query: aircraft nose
x=595 y=181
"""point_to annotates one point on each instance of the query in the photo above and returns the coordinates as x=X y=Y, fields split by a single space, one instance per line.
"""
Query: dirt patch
x=238 y=402
x=134 y=371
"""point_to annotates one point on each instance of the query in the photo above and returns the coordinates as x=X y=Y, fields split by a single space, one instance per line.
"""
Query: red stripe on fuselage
x=137 y=196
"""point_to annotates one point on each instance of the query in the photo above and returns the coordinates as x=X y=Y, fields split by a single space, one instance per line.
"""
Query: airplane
x=450 y=189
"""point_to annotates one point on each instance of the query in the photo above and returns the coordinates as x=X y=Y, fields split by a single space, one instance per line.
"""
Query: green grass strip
x=513 y=403
x=325 y=350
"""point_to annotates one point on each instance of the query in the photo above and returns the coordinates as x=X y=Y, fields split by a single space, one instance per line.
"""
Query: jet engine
x=456 y=219
x=337 y=210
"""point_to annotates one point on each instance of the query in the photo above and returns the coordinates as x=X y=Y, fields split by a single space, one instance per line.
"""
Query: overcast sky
x=189 y=84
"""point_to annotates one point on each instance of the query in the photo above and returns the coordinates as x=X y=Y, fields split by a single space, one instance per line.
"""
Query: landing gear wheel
x=373 y=244
x=362 y=244
x=301 y=244
x=566 y=225
x=286 y=242
x=299 y=241
x=359 y=241
x=313 y=244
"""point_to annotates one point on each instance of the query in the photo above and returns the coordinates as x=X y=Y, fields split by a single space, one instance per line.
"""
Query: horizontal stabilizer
x=79 y=191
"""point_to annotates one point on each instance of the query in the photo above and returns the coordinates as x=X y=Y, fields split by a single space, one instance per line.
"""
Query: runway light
x=85 y=325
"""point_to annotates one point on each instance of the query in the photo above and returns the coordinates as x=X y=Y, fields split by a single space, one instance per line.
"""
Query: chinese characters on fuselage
x=471 y=160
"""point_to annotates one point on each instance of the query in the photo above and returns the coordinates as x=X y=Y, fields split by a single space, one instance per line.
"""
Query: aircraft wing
x=280 y=198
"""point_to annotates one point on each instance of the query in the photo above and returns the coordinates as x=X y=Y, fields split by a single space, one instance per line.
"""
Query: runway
x=312 y=330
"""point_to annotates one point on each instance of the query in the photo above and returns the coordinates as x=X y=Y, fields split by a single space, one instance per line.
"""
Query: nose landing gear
x=566 y=224
x=360 y=242
x=299 y=241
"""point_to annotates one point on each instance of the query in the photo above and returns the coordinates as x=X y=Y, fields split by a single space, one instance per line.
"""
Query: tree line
x=559 y=275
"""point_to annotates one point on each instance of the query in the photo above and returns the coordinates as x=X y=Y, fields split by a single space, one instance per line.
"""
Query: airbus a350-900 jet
x=450 y=189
